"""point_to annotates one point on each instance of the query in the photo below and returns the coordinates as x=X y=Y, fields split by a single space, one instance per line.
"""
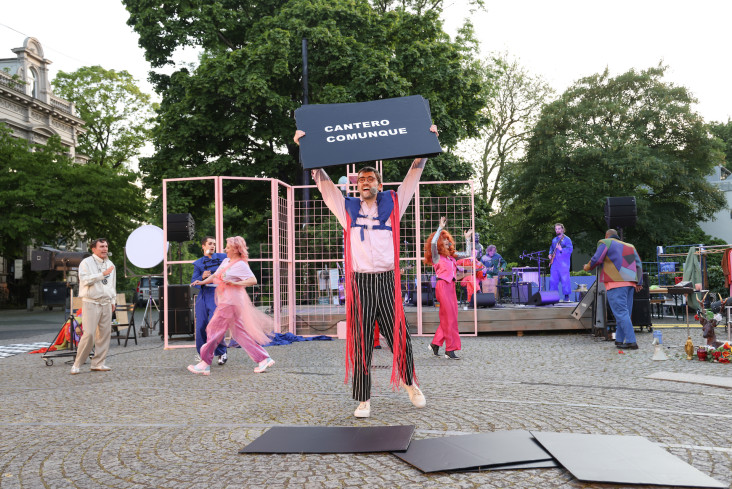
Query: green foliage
x=117 y=114
x=633 y=135
x=47 y=197
x=233 y=114
x=724 y=133
x=715 y=277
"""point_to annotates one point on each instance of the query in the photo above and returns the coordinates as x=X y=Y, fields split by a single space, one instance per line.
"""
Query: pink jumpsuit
x=448 y=333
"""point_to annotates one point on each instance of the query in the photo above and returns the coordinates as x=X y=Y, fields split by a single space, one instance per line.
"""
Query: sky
x=561 y=40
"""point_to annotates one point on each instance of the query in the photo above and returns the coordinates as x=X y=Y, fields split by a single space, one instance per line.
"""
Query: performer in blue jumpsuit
x=561 y=252
x=205 y=302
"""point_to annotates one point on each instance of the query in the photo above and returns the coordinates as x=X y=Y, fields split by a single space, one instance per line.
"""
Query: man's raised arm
x=406 y=190
x=332 y=195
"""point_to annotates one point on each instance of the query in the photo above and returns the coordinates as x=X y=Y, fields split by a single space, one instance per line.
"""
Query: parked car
x=143 y=291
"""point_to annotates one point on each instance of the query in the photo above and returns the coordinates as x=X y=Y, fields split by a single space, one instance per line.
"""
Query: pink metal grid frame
x=301 y=273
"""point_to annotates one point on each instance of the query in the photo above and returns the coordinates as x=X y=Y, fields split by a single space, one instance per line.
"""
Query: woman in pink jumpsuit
x=439 y=251
x=250 y=327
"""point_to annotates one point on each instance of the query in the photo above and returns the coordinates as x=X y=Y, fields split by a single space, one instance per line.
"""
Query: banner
x=338 y=134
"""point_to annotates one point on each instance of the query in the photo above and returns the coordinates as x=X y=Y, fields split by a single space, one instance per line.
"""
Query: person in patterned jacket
x=622 y=275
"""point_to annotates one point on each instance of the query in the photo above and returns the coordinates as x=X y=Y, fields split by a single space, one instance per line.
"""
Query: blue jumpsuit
x=206 y=301
x=560 y=267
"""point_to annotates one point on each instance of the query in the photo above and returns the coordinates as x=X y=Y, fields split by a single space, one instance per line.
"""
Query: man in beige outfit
x=97 y=279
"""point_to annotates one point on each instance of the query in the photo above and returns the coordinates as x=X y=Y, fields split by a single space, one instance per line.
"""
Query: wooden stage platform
x=323 y=320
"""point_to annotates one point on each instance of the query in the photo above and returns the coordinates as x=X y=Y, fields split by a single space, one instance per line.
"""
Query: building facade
x=29 y=107
x=720 y=226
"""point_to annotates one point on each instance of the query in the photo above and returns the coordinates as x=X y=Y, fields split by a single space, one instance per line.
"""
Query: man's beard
x=372 y=191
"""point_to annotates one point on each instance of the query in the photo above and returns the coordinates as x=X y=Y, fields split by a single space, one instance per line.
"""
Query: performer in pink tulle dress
x=250 y=327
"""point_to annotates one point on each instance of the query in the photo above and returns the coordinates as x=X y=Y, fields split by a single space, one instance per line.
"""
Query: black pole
x=305 y=173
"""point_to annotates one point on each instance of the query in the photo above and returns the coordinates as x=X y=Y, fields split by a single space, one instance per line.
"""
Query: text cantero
x=362 y=135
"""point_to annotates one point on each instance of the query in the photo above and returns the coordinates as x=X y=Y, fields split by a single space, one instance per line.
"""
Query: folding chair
x=125 y=314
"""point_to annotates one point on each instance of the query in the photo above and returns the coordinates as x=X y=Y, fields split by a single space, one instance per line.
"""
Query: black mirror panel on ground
x=620 y=212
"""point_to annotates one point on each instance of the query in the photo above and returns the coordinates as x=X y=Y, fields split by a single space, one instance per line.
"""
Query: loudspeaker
x=641 y=313
x=426 y=299
x=179 y=296
x=521 y=292
x=41 y=260
x=645 y=292
x=180 y=314
x=620 y=212
x=181 y=322
x=484 y=299
x=544 y=298
x=54 y=293
x=181 y=227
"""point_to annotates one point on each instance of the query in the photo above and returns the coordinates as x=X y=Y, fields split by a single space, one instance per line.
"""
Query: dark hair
x=373 y=170
x=203 y=241
x=95 y=242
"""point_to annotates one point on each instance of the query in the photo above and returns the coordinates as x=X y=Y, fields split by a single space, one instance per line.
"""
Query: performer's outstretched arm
x=468 y=253
x=435 y=238
x=332 y=196
x=406 y=190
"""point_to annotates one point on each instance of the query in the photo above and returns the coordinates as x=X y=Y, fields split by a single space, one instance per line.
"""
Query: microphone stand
x=536 y=256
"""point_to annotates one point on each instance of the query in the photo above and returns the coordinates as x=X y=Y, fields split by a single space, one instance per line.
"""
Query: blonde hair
x=240 y=245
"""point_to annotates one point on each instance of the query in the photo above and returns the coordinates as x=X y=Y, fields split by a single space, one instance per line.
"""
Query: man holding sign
x=373 y=285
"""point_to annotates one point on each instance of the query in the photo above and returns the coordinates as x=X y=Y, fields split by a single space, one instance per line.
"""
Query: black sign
x=338 y=134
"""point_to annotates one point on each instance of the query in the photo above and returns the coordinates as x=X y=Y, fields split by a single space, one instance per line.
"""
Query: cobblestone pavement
x=150 y=423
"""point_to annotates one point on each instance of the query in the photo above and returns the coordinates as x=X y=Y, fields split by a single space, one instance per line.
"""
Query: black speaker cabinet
x=544 y=298
x=645 y=292
x=426 y=299
x=181 y=227
x=181 y=322
x=483 y=299
x=521 y=292
x=620 y=212
x=179 y=296
x=41 y=260
x=54 y=293
x=641 y=313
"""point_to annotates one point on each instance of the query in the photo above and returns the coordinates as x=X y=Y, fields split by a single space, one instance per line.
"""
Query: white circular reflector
x=145 y=246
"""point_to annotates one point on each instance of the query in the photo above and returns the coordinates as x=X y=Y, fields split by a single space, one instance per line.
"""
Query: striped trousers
x=376 y=294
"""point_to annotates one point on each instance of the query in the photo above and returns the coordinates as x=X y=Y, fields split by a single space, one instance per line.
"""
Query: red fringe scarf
x=399 y=365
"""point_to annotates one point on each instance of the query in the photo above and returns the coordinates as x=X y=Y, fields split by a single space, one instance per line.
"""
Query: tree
x=633 y=135
x=512 y=112
x=117 y=115
x=47 y=197
x=233 y=114
x=724 y=133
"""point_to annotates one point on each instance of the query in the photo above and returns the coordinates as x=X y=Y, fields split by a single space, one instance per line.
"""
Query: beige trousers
x=97 y=323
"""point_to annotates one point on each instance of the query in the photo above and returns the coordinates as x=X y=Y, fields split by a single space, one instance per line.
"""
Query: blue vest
x=384 y=206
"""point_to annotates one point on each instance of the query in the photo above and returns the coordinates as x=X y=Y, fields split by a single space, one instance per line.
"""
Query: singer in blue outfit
x=203 y=268
x=560 y=256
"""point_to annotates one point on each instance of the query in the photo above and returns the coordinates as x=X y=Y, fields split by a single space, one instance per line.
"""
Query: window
x=33 y=82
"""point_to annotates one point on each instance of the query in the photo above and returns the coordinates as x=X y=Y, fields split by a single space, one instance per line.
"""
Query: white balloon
x=145 y=246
